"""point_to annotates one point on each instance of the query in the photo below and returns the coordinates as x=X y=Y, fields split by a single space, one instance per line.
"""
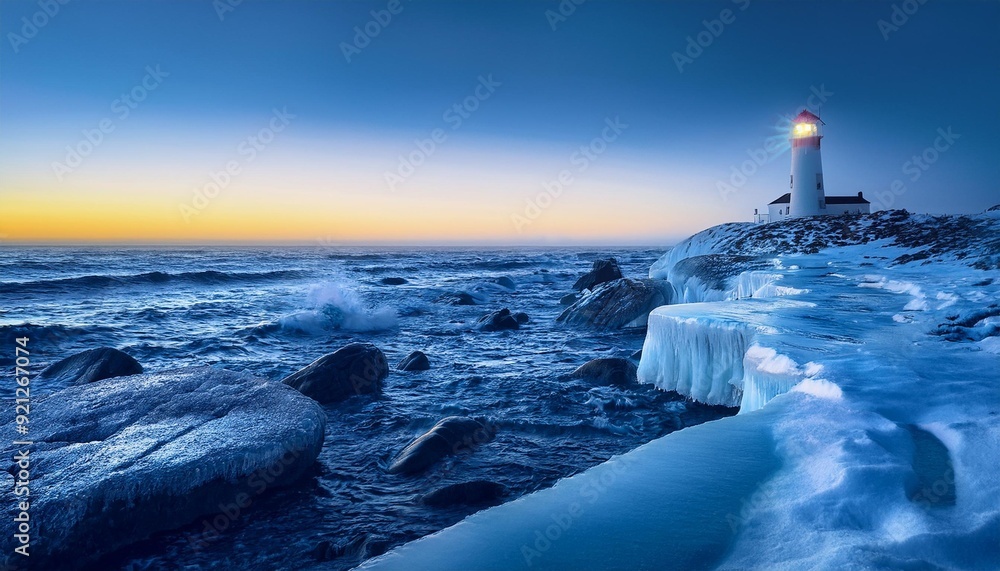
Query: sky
x=462 y=122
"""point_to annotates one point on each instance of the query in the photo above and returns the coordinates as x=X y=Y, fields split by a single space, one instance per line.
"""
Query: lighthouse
x=808 y=193
x=808 y=196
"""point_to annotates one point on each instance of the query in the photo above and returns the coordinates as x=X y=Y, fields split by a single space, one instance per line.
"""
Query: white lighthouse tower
x=808 y=195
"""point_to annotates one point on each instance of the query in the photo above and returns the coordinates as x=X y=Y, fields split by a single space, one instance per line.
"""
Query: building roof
x=859 y=199
x=847 y=199
x=806 y=117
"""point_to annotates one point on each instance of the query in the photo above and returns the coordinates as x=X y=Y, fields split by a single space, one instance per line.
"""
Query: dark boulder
x=521 y=317
x=451 y=435
x=393 y=281
x=603 y=271
x=497 y=321
x=90 y=366
x=120 y=461
x=617 y=304
x=462 y=298
x=477 y=492
x=607 y=371
x=415 y=361
x=568 y=299
x=354 y=369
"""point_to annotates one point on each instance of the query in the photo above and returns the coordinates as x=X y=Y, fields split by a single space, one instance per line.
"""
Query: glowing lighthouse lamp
x=808 y=195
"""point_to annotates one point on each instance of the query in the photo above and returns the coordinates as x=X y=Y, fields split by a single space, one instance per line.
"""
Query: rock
x=354 y=369
x=415 y=361
x=461 y=298
x=497 y=321
x=607 y=371
x=520 y=317
x=568 y=299
x=477 y=492
x=506 y=282
x=617 y=304
x=90 y=366
x=393 y=281
x=114 y=463
x=604 y=271
x=450 y=435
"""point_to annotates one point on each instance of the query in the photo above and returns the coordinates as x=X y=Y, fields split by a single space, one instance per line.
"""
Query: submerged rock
x=498 y=321
x=520 y=317
x=113 y=463
x=394 y=281
x=607 y=371
x=90 y=366
x=354 y=369
x=618 y=303
x=415 y=361
x=604 y=271
x=477 y=492
x=506 y=282
x=450 y=435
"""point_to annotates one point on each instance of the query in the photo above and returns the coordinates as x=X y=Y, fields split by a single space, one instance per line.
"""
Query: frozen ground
x=863 y=354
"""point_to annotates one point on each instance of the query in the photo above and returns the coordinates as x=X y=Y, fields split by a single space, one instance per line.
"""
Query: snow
x=869 y=426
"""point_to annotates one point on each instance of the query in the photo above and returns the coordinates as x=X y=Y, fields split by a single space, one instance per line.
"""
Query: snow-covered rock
x=115 y=461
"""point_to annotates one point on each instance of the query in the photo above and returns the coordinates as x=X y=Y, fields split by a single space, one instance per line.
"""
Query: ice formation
x=864 y=365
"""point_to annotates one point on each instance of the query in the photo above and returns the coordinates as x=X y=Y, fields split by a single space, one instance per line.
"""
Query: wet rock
x=521 y=317
x=120 y=461
x=461 y=298
x=568 y=299
x=477 y=492
x=607 y=371
x=451 y=435
x=90 y=366
x=354 y=369
x=394 y=281
x=415 y=361
x=497 y=321
x=617 y=304
x=603 y=271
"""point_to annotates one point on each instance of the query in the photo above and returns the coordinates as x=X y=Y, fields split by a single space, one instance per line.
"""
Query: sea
x=273 y=310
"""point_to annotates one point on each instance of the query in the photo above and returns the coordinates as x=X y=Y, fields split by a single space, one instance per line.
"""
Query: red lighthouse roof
x=807 y=117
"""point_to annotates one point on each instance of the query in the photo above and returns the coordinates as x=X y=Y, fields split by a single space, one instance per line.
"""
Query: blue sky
x=887 y=91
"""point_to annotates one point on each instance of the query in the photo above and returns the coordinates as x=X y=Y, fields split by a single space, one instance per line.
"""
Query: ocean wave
x=206 y=277
x=333 y=306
